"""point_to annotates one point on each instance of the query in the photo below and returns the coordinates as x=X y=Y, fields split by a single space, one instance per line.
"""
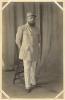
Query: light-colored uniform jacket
x=28 y=40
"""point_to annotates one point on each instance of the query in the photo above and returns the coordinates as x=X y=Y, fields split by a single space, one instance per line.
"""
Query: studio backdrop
x=50 y=22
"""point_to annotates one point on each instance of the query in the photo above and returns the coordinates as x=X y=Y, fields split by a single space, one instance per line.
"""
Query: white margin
x=9 y=1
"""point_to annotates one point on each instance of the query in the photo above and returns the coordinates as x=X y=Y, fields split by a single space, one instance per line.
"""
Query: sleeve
x=19 y=36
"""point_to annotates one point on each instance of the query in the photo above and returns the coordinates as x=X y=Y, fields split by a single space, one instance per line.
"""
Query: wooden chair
x=18 y=70
x=19 y=67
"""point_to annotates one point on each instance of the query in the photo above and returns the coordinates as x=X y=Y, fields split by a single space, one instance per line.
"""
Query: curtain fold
x=50 y=22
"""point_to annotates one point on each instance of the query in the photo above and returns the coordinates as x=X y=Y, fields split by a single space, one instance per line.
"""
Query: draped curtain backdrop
x=50 y=22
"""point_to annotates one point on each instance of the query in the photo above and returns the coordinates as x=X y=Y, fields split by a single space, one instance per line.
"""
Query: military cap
x=30 y=14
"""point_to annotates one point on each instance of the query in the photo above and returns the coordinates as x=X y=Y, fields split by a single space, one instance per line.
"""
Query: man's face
x=31 y=20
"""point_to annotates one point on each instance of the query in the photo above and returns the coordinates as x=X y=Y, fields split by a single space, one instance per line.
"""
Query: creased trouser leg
x=32 y=73
x=29 y=73
x=27 y=67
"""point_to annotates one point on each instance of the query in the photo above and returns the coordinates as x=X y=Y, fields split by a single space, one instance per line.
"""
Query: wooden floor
x=44 y=90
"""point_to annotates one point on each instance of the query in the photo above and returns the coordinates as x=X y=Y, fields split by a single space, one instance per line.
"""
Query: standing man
x=28 y=42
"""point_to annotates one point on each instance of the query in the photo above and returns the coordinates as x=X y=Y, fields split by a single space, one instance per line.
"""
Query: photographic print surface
x=49 y=70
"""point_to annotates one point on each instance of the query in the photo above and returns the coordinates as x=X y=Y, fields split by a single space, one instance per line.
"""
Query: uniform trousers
x=29 y=73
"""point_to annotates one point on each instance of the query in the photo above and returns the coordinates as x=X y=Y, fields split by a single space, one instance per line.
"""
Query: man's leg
x=32 y=73
x=27 y=66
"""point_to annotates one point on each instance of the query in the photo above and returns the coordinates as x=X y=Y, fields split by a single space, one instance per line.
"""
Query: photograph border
x=1 y=10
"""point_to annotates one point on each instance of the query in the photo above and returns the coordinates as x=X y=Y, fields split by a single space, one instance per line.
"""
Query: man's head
x=31 y=18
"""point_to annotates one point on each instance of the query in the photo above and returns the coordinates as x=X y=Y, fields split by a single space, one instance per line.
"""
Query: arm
x=19 y=36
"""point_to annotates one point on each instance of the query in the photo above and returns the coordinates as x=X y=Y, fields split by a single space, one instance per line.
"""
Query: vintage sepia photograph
x=32 y=50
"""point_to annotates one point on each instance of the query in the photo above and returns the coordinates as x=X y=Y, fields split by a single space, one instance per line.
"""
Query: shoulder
x=22 y=27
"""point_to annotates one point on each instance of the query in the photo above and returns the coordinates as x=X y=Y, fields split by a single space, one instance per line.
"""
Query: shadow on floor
x=17 y=90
